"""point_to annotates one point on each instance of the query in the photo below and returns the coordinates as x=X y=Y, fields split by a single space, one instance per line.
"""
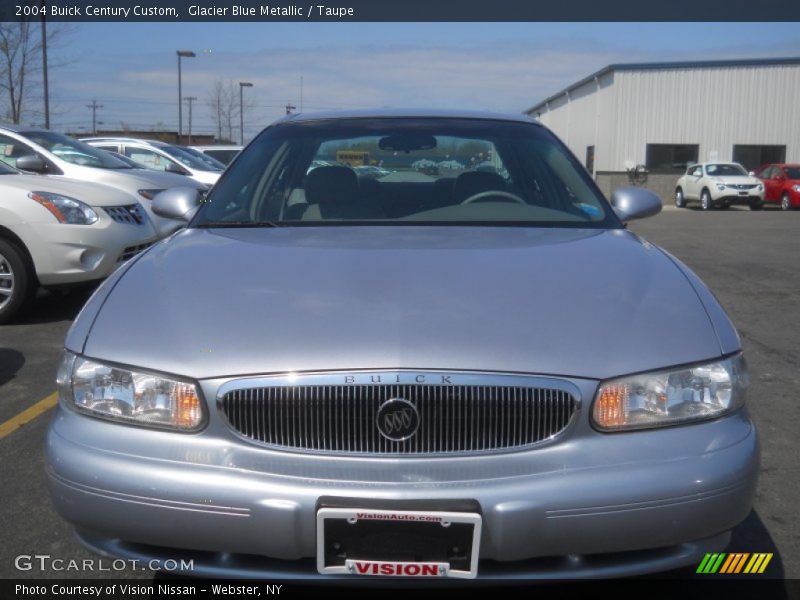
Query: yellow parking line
x=28 y=415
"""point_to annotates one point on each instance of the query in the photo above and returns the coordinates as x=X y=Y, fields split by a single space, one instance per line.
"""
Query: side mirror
x=752 y=173
x=31 y=162
x=631 y=203
x=178 y=203
x=176 y=168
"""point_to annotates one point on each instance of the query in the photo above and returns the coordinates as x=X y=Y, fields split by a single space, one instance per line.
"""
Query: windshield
x=726 y=170
x=187 y=159
x=223 y=156
x=207 y=159
x=793 y=172
x=74 y=151
x=7 y=169
x=422 y=171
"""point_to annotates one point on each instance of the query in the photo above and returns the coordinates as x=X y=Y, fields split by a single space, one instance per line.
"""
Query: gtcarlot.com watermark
x=45 y=562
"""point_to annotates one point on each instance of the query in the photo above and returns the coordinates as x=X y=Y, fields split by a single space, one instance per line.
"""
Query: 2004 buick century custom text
x=470 y=369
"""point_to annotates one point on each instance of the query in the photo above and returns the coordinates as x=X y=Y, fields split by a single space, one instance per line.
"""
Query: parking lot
x=749 y=259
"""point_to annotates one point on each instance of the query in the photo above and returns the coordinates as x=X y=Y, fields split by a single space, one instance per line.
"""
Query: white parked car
x=160 y=156
x=224 y=154
x=57 y=232
x=50 y=153
x=718 y=185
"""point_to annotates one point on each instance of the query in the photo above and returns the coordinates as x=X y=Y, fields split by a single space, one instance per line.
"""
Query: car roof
x=157 y=143
x=394 y=113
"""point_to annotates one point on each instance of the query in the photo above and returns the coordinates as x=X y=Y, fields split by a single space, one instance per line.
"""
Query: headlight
x=721 y=187
x=149 y=194
x=65 y=209
x=134 y=397
x=672 y=397
x=760 y=187
x=796 y=188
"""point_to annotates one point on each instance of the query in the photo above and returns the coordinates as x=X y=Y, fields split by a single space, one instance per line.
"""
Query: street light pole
x=44 y=69
x=242 y=85
x=190 y=99
x=181 y=54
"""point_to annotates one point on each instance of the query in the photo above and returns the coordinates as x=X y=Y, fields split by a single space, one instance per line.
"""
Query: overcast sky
x=130 y=68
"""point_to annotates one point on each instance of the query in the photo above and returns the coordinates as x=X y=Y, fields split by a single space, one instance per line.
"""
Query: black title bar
x=399 y=10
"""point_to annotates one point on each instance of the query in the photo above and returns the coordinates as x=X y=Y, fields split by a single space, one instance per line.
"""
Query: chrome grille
x=131 y=251
x=742 y=186
x=452 y=418
x=129 y=215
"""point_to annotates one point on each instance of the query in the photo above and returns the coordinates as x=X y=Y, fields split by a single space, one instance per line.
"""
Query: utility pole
x=242 y=85
x=190 y=99
x=44 y=69
x=181 y=54
x=289 y=108
x=94 y=106
x=301 y=93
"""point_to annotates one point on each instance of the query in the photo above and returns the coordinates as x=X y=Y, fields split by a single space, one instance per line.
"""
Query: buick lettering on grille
x=398 y=413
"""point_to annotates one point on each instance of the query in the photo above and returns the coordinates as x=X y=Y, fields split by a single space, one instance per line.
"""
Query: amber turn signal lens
x=189 y=412
x=609 y=409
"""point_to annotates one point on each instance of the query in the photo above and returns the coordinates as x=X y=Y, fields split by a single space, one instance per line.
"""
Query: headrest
x=331 y=185
x=470 y=183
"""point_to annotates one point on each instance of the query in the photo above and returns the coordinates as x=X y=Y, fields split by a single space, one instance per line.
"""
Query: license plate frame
x=394 y=519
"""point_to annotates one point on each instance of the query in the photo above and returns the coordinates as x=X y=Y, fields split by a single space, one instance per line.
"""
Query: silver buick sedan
x=444 y=372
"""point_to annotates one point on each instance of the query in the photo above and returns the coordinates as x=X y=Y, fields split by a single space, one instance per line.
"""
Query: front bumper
x=588 y=505
x=65 y=254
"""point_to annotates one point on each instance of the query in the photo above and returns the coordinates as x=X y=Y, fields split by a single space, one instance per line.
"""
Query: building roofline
x=659 y=66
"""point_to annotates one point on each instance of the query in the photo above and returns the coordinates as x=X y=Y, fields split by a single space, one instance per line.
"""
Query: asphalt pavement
x=749 y=259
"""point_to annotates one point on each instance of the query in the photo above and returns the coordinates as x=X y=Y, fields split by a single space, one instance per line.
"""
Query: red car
x=781 y=184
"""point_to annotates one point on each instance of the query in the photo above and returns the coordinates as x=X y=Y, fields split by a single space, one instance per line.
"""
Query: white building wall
x=577 y=118
x=713 y=107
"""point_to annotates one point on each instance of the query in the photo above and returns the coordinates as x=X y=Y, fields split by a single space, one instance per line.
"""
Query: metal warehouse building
x=644 y=122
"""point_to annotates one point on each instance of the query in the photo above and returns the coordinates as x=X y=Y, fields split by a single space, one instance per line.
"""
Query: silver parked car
x=478 y=374
x=55 y=154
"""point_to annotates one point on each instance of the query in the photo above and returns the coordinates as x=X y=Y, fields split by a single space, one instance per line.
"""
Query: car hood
x=90 y=193
x=222 y=302
x=208 y=178
x=133 y=178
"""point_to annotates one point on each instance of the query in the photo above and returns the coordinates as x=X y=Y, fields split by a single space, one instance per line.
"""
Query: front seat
x=332 y=193
x=470 y=183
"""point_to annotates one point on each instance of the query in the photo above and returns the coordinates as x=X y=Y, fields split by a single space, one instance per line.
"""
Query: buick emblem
x=397 y=419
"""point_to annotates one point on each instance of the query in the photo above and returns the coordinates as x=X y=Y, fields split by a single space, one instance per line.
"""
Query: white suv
x=57 y=231
x=50 y=153
x=160 y=156
x=718 y=185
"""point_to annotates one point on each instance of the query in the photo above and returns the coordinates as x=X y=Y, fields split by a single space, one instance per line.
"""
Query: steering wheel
x=498 y=193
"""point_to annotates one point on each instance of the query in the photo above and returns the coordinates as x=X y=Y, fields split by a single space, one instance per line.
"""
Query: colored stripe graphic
x=734 y=562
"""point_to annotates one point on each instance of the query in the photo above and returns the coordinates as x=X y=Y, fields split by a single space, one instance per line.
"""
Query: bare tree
x=21 y=66
x=223 y=102
x=19 y=52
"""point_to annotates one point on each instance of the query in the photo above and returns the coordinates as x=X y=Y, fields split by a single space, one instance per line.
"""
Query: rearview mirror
x=632 y=203
x=177 y=203
x=31 y=162
x=407 y=142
